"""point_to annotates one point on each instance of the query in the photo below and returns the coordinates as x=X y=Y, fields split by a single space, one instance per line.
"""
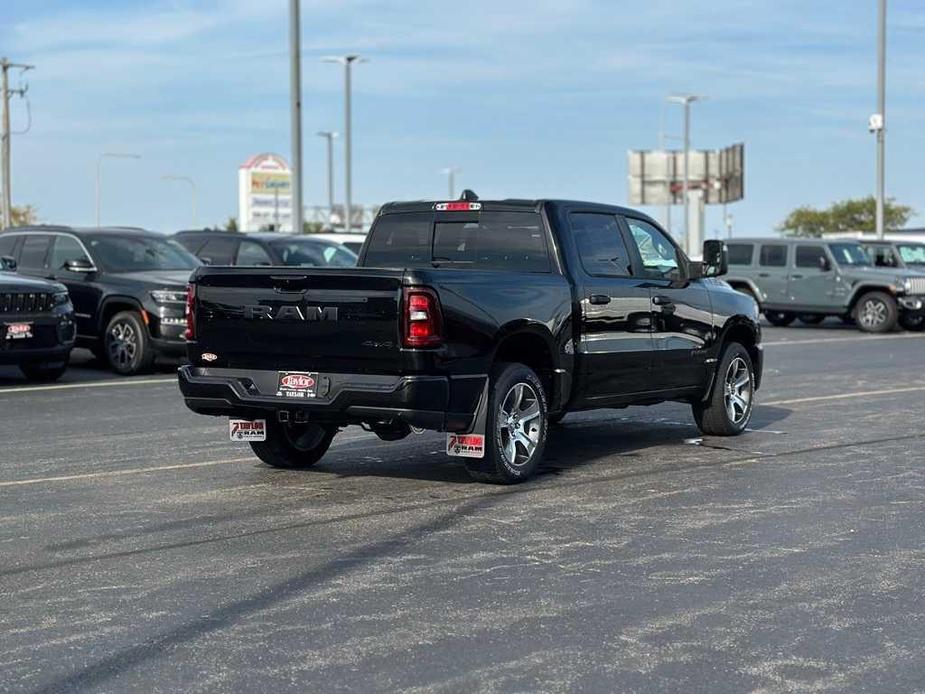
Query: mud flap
x=471 y=444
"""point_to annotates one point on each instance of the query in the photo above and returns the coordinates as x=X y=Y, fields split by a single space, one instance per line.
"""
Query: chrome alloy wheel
x=123 y=343
x=737 y=387
x=519 y=422
x=873 y=313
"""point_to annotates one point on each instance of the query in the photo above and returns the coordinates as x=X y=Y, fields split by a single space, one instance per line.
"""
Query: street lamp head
x=686 y=98
x=327 y=133
x=344 y=59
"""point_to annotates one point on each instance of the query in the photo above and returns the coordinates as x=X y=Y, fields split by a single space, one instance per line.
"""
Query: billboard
x=656 y=177
x=265 y=193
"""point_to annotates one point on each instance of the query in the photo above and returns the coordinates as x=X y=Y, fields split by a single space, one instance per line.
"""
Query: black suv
x=128 y=287
x=267 y=248
x=36 y=324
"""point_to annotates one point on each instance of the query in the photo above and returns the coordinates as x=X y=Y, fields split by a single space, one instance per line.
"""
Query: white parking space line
x=117 y=473
x=856 y=338
x=846 y=396
x=91 y=384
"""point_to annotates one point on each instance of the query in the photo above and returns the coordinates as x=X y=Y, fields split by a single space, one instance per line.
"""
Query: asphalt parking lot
x=143 y=551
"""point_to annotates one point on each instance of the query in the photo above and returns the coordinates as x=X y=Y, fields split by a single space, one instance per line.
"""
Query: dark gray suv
x=810 y=279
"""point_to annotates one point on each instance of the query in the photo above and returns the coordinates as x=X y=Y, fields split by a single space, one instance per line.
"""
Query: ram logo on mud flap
x=291 y=312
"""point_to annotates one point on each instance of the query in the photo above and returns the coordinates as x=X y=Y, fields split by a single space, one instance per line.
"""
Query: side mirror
x=8 y=263
x=81 y=265
x=715 y=259
x=824 y=264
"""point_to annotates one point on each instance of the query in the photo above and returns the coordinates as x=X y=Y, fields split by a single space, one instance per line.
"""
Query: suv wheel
x=516 y=426
x=876 y=312
x=128 y=347
x=779 y=318
x=811 y=318
x=44 y=373
x=294 y=446
x=729 y=408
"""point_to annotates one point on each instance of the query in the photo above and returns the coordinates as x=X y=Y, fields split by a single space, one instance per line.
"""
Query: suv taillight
x=190 y=333
x=422 y=321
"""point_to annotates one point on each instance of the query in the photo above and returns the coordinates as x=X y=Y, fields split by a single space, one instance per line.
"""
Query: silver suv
x=810 y=279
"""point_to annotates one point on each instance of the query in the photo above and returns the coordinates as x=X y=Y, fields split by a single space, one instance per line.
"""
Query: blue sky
x=531 y=98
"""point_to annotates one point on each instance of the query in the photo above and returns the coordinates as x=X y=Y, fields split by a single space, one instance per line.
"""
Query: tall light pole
x=295 y=112
x=99 y=175
x=881 y=112
x=6 y=199
x=347 y=61
x=686 y=100
x=329 y=135
x=451 y=172
x=192 y=184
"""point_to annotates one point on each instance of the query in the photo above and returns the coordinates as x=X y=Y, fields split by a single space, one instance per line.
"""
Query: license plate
x=18 y=331
x=297 y=384
x=247 y=430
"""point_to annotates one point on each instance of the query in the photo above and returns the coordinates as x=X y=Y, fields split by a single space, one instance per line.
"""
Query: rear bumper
x=442 y=403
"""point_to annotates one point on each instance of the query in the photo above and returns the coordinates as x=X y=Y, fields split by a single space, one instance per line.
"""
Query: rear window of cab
x=497 y=240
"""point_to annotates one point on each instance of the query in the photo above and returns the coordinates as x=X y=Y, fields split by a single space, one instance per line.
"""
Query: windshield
x=315 y=253
x=912 y=253
x=139 y=253
x=850 y=254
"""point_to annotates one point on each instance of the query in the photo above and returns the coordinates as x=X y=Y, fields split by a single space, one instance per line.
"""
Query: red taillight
x=422 y=321
x=190 y=333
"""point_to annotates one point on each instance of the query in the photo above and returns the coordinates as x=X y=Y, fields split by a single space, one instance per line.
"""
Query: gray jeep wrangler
x=810 y=279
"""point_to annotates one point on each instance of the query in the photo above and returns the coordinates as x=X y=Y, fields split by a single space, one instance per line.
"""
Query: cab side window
x=884 y=256
x=34 y=252
x=659 y=256
x=740 y=253
x=810 y=256
x=7 y=242
x=65 y=250
x=600 y=244
x=218 y=251
x=773 y=255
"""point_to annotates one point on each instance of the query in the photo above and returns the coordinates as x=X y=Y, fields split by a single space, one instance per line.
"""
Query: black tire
x=779 y=318
x=507 y=430
x=715 y=416
x=810 y=318
x=44 y=373
x=294 y=446
x=913 y=322
x=876 y=312
x=128 y=348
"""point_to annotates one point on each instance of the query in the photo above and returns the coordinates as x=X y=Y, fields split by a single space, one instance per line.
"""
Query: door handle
x=662 y=301
x=796 y=277
x=599 y=299
x=764 y=274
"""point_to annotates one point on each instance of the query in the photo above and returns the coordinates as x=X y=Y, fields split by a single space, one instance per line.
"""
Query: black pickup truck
x=485 y=320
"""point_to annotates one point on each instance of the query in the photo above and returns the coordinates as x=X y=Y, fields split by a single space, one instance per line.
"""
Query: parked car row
x=810 y=279
x=120 y=292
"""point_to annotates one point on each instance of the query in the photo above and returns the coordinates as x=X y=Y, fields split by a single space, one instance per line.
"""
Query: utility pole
x=347 y=61
x=686 y=100
x=192 y=184
x=878 y=122
x=295 y=112
x=6 y=203
x=451 y=172
x=329 y=135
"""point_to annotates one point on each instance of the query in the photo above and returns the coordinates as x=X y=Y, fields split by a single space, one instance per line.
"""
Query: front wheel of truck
x=729 y=407
x=515 y=431
x=293 y=446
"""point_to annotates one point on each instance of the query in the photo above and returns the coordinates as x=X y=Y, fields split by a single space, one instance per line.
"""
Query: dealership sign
x=265 y=194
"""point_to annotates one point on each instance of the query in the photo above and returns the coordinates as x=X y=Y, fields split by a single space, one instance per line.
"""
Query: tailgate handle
x=284 y=283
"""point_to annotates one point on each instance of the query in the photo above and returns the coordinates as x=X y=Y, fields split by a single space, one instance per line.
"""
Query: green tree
x=231 y=224
x=844 y=217
x=21 y=216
